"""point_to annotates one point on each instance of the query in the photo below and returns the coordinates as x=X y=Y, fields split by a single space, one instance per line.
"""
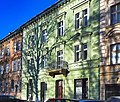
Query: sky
x=14 y=13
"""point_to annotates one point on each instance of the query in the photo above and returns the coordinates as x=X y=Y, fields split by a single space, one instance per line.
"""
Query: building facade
x=10 y=64
x=110 y=48
x=62 y=44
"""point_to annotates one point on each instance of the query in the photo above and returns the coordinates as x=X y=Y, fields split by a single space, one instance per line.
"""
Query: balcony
x=57 y=69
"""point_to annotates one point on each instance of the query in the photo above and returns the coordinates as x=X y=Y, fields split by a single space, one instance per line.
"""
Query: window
x=115 y=54
x=12 y=85
x=80 y=52
x=18 y=64
x=2 y=52
x=81 y=88
x=77 y=53
x=6 y=86
x=115 y=14
x=7 y=51
x=77 y=20
x=44 y=35
x=14 y=46
x=31 y=41
x=44 y=61
x=17 y=46
x=30 y=90
x=60 y=28
x=2 y=70
x=85 y=15
x=60 y=59
x=7 y=68
x=84 y=51
x=14 y=66
x=0 y=86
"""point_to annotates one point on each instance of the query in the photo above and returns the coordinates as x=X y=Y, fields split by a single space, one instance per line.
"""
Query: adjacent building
x=62 y=44
x=110 y=48
x=10 y=64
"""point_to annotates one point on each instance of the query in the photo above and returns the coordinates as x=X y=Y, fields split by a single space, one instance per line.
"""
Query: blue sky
x=14 y=13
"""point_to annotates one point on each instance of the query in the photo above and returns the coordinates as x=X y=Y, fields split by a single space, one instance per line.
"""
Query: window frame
x=114 y=13
x=84 y=18
x=75 y=53
x=77 y=21
x=116 y=51
x=59 y=59
x=60 y=28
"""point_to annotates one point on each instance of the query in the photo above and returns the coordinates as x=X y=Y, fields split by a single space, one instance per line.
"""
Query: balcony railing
x=58 y=65
x=56 y=68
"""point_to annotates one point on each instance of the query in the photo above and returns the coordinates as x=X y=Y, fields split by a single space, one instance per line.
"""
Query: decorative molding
x=79 y=4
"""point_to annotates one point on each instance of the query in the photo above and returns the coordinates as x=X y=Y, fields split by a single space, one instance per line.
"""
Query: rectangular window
x=19 y=64
x=0 y=86
x=7 y=68
x=7 y=51
x=60 y=59
x=14 y=66
x=18 y=45
x=44 y=35
x=2 y=70
x=60 y=28
x=31 y=41
x=2 y=52
x=81 y=88
x=77 y=20
x=77 y=53
x=115 y=14
x=44 y=60
x=84 y=51
x=85 y=17
x=6 y=87
x=115 y=54
x=12 y=85
x=15 y=47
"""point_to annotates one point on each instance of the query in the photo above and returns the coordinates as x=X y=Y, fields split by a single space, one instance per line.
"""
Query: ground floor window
x=81 y=88
x=112 y=90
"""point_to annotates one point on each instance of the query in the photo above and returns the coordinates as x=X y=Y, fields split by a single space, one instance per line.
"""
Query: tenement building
x=60 y=55
x=110 y=48
x=10 y=64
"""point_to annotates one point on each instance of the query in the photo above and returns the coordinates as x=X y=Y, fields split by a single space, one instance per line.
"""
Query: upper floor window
x=77 y=53
x=17 y=46
x=84 y=51
x=60 y=28
x=2 y=70
x=44 y=35
x=31 y=41
x=14 y=66
x=12 y=85
x=44 y=60
x=7 y=51
x=80 y=52
x=115 y=54
x=59 y=59
x=0 y=86
x=77 y=20
x=7 y=68
x=2 y=52
x=115 y=14
x=85 y=17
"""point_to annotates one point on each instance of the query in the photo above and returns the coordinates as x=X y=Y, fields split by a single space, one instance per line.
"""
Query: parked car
x=91 y=101
x=9 y=98
x=113 y=99
x=71 y=100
